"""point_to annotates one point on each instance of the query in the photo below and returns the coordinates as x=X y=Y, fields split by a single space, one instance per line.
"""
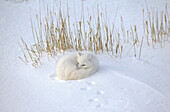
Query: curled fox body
x=76 y=66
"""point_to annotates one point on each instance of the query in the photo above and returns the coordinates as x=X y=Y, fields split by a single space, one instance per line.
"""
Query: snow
x=120 y=85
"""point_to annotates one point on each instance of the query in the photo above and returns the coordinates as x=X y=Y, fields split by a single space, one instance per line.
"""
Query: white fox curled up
x=77 y=66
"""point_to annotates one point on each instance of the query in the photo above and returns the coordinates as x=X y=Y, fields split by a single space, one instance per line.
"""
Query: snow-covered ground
x=120 y=85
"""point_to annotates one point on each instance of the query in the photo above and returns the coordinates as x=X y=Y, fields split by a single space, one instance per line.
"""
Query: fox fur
x=77 y=66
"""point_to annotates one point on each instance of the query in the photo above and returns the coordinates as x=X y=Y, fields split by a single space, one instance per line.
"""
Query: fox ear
x=79 y=54
x=90 y=57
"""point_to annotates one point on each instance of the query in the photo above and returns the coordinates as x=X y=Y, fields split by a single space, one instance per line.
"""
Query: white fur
x=76 y=66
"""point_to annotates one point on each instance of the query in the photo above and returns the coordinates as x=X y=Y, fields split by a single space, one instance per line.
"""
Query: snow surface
x=120 y=85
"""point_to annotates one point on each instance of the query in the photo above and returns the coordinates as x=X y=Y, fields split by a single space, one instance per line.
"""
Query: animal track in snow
x=53 y=76
x=85 y=88
x=99 y=100
x=100 y=92
x=91 y=83
x=93 y=100
x=99 y=105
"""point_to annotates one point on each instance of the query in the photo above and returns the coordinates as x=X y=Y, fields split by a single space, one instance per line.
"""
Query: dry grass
x=53 y=34
x=156 y=29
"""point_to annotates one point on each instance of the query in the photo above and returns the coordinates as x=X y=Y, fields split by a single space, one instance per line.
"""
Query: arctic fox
x=77 y=66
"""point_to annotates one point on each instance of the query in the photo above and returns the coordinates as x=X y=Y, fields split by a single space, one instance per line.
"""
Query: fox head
x=86 y=60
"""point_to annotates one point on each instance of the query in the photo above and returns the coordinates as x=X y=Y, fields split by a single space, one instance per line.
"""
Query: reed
x=156 y=28
x=54 y=34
